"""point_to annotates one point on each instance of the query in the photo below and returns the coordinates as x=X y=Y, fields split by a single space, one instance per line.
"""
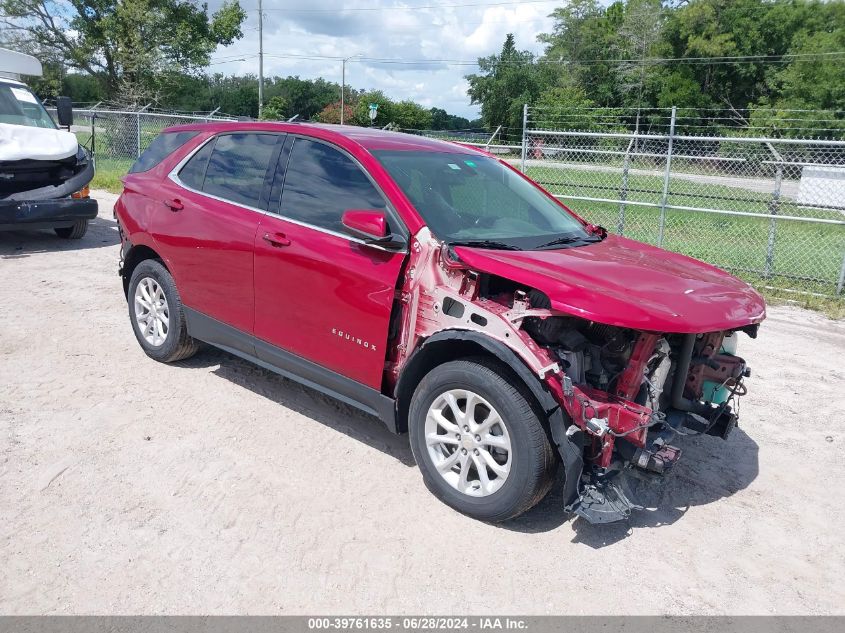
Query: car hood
x=22 y=142
x=628 y=284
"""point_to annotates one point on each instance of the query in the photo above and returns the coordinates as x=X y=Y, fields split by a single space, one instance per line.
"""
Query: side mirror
x=64 y=111
x=371 y=226
x=595 y=229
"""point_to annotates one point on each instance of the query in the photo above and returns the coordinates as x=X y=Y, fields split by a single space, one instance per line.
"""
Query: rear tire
x=75 y=232
x=156 y=314
x=451 y=431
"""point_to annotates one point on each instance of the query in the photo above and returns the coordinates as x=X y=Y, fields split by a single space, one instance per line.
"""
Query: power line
x=415 y=8
x=647 y=60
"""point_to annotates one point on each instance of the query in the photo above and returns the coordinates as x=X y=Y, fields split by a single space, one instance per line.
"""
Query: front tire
x=75 y=232
x=479 y=442
x=155 y=310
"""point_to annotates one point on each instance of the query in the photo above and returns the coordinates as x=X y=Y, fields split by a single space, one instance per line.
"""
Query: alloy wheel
x=152 y=314
x=468 y=442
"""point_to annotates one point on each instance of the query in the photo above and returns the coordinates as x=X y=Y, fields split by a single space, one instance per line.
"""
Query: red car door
x=207 y=236
x=320 y=293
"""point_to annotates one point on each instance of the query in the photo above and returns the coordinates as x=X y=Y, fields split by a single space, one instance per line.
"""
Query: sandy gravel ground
x=212 y=486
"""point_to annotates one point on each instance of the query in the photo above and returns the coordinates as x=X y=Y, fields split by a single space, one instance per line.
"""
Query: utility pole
x=343 y=84
x=260 y=59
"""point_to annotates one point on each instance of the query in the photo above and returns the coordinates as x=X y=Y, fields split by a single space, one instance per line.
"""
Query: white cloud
x=320 y=27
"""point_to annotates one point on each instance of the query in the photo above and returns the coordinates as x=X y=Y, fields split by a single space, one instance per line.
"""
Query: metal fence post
x=138 y=134
x=841 y=283
x=665 y=197
x=623 y=192
x=138 y=128
x=774 y=207
x=93 y=137
x=93 y=141
x=492 y=138
x=524 y=135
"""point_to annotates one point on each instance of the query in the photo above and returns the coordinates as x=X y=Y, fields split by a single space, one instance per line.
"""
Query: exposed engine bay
x=657 y=388
x=626 y=396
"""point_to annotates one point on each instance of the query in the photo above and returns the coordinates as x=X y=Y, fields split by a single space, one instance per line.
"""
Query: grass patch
x=831 y=307
x=805 y=256
x=596 y=183
x=108 y=172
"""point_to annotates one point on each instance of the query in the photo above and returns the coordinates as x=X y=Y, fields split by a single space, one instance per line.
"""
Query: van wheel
x=74 y=232
x=155 y=310
x=478 y=441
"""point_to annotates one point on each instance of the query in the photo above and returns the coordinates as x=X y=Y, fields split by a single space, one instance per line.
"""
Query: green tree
x=733 y=28
x=571 y=102
x=233 y=95
x=442 y=120
x=503 y=84
x=362 y=109
x=584 y=35
x=816 y=82
x=305 y=97
x=331 y=113
x=638 y=39
x=135 y=47
x=276 y=109
x=409 y=115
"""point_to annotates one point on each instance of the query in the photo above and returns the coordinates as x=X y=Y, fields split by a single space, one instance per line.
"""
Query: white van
x=44 y=172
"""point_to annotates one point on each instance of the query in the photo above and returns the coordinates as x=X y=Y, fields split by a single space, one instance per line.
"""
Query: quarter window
x=161 y=147
x=321 y=183
x=234 y=169
x=193 y=173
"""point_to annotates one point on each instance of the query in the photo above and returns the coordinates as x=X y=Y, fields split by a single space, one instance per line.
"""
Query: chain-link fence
x=117 y=137
x=769 y=208
x=732 y=188
x=744 y=193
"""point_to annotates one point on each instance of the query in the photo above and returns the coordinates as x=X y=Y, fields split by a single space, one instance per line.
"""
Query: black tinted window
x=193 y=173
x=161 y=147
x=237 y=167
x=321 y=183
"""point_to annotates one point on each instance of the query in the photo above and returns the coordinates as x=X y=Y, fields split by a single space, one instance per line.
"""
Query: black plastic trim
x=264 y=354
x=270 y=174
x=69 y=186
x=32 y=214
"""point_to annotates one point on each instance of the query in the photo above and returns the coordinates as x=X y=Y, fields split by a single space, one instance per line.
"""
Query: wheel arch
x=135 y=255
x=450 y=345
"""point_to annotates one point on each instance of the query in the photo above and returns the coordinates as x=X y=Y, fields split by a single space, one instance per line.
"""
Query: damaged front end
x=631 y=394
x=617 y=397
x=42 y=193
x=44 y=171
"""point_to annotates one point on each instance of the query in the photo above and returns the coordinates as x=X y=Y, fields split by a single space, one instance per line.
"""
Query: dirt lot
x=212 y=486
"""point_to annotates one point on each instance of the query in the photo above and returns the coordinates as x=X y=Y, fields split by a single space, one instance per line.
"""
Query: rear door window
x=321 y=183
x=161 y=147
x=237 y=167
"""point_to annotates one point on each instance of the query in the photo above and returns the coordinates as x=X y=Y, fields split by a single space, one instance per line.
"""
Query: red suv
x=436 y=287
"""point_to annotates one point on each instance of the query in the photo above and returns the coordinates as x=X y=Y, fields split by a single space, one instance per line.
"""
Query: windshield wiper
x=485 y=244
x=570 y=239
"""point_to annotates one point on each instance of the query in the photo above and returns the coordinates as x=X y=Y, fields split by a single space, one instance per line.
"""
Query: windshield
x=19 y=106
x=470 y=198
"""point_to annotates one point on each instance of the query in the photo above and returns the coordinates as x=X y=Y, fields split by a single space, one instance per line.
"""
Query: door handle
x=276 y=239
x=174 y=205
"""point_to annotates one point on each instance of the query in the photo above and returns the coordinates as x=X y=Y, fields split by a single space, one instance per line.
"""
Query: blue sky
x=385 y=29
